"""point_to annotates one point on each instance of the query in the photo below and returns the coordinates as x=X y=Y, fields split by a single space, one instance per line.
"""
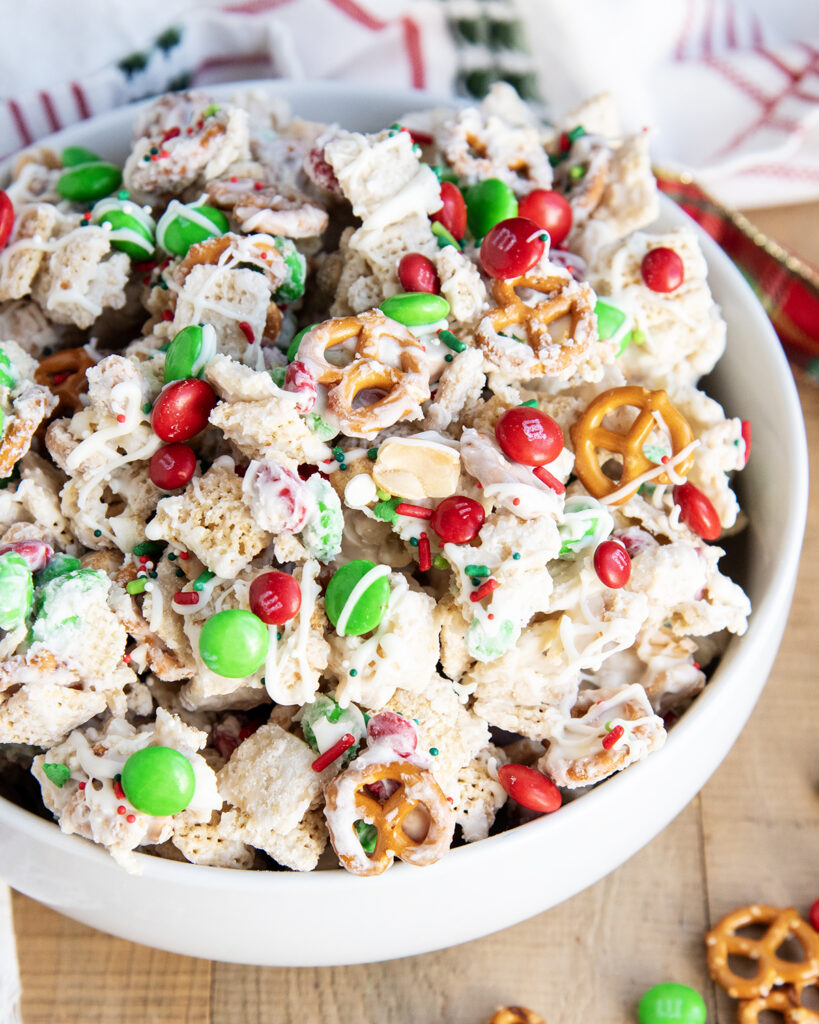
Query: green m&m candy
x=324 y=722
x=190 y=352
x=158 y=781
x=85 y=182
x=413 y=309
x=486 y=646
x=182 y=226
x=322 y=534
x=58 y=565
x=234 y=643
x=16 y=590
x=612 y=324
x=669 y=1003
x=293 y=350
x=583 y=524
x=357 y=597
x=292 y=287
x=71 y=156
x=131 y=227
x=8 y=374
x=487 y=203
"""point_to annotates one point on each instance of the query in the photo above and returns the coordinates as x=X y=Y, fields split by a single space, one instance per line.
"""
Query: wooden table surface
x=751 y=835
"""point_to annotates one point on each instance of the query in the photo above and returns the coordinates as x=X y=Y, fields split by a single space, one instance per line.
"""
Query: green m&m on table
x=190 y=352
x=414 y=309
x=16 y=590
x=669 y=1003
x=86 y=177
x=357 y=597
x=487 y=204
x=131 y=228
x=182 y=226
x=158 y=781
x=234 y=643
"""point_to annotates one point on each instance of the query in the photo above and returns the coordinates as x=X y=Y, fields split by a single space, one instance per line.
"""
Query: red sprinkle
x=484 y=590
x=186 y=597
x=424 y=554
x=258 y=185
x=171 y=133
x=183 y=555
x=546 y=477
x=58 y=378
x=422 y=138
x=121 y=809
x=234 y=179
x=746 y=437
x=415 y=511
x=119 y=792
x=247 y=330
x=515 y=501
x=81 y=786
x=337 y=749
x=665 y=460
x=143 y=559
x=167 y=315
x=121 y=418
x=613 y=737
x=164 y=154
x=131 y=818
x=127 y=659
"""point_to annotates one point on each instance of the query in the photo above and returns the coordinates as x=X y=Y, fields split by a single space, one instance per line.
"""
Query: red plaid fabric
x=786 y=286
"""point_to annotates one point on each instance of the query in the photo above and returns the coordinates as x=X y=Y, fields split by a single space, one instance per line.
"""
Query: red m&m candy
x=453 y=213
x=530 y=788
x=813 y=915
x=6 y=218
x=550 y=211
x=182 y=409
x=662 y=270
x=529 y=436
x=275 y=597
x=395 y=729
x=457 y=520
x=417 y=273
x=697 y=512
x=612 y=564
x=172 y=466
x=512 y=247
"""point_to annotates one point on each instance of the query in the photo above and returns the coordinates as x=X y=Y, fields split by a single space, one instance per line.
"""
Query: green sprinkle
x=97 y=533
x=531 y=404
x=214 y=108
x=396 y=127
x=372 y=453
x=149 y=547
x=576 y=133
x=338 y=454
x=153 y=575
x=147 y=407
x=179 y=572
x=638 y=337
x=385 y=510
x=367 y=836
x=440 y=562
x=47 y=351
x=335 y=714
x=202 y=579
x=576 y=172
x=448 y=358
x=414 y=541
x=342 y=465
x=59 y=774
x=123 y=194
x=278 y=636
x=449 y=339
x=172 y=557
x=516 y=556
x=136 y=586
x=382 y=494
x=556 y=158
x=434 y=751
x=442 y=236
x=353 y=671
x=476 y=570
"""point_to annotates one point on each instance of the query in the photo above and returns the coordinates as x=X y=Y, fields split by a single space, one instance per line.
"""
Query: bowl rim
x=741 y=653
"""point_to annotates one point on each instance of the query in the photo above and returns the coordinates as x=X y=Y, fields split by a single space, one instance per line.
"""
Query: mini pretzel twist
x=786 y=1001
x=588 y=435
x=406 y=386
x=515 y=1015
x=416 y=787
x=68 y=367
x=541 y=354
x=722 y=942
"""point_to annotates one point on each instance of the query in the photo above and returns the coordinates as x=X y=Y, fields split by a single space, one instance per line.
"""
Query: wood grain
x=752 y=834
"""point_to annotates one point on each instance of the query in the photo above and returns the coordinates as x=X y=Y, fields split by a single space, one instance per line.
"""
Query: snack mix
x=358 y=495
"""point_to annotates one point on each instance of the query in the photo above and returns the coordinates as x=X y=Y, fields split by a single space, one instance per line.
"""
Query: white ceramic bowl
x=290 y=919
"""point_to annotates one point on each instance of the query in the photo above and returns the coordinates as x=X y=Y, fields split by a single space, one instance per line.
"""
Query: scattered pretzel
x=588 y=435
x=722 y=942
x=515 y=1015
x=63 y=373
x=274 y=209
x=541 y=354
x=406 y=386
x=31 y=409
x=786 y=1001
x=347 y=801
